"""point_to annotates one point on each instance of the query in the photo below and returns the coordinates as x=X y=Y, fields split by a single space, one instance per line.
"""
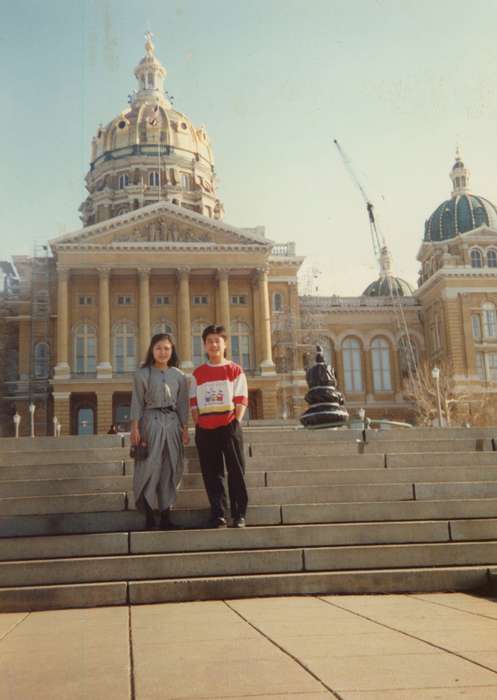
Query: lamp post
x=17 y=423
x=435 y=373
x=362 y=416
x=32 y=409
x=55 y=424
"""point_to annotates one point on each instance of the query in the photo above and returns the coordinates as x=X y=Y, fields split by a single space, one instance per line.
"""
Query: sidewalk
x=402 y=647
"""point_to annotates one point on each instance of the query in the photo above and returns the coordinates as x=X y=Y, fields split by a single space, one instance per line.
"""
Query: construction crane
x=379 y=246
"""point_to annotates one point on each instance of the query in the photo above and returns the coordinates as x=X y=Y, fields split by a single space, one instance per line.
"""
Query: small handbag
x=139 y=452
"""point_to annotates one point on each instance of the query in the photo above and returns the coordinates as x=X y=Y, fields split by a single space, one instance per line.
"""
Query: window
x=380 y=357
x=153 y=179
x=186 y=181
x=85 y=349
x=277 y=302
x=124 y=347
x=489 y=320
x=486 y=366
x=239 y=299
x=352 y=365
x=476 y=326
x=42 y=359
x=492 y=258
x=241 y=344
x=123 y=181
x=161 y=300
x=198 y=352
x=125 y=300
x=200 y=299
x=162 y=326
x=435 y=335
x=476 y=260
x=86 y=300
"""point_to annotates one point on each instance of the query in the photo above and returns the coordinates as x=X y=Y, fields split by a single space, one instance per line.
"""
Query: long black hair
x=157 y=338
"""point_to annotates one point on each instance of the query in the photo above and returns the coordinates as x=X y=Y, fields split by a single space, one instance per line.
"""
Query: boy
x=218 y=399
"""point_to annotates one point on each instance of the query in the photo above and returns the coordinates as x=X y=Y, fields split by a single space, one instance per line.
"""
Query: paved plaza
x=399 y=647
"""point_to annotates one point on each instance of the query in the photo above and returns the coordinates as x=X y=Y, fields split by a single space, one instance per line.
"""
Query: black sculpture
x=325 y=401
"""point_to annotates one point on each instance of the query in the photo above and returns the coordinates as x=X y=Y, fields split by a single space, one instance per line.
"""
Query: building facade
x=154 y=254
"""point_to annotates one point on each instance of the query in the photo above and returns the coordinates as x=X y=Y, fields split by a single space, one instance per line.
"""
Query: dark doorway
x=121 y=405
x=83 y=414
x=255 y=405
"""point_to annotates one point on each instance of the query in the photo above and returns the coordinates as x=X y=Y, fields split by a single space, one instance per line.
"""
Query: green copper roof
x=384 y=286
x=460 y=214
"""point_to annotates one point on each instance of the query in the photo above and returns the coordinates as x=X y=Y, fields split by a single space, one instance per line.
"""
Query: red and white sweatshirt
x=214 y=392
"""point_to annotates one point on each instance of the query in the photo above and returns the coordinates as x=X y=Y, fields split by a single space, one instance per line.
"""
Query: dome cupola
x=150 y=152
x=461 y=213
x=387 y=284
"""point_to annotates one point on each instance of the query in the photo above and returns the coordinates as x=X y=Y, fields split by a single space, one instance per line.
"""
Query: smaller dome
x=386 y=286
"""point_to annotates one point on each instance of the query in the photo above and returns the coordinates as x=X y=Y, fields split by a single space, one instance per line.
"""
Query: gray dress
x=157 y=477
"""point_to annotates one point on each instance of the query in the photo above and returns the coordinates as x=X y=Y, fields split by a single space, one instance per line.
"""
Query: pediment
x=161 y=226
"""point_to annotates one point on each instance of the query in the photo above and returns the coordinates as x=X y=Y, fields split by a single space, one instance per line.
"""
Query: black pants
x=212 y=445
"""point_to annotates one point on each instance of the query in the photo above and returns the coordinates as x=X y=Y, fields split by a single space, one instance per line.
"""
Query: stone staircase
x=411 y=510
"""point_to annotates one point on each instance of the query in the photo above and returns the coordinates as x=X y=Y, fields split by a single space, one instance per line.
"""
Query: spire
x=150 y=74
x=459 y=176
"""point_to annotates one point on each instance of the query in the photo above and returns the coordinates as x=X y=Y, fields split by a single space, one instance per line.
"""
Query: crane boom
x=376 y=236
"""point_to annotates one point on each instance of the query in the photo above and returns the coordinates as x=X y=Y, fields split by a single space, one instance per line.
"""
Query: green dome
x=384 y=286
x=461 y=213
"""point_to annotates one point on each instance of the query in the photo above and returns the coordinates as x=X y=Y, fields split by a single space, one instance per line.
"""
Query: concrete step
x=374 y=476
x=273 y=537
x=243 y=562
x=309 y=449
x=54 y=471
x=106 y=454
x=123 y=568
x=324 y=583
x=429 y=491
x=62 y=546
x=70 y=503
x=54 y=487
x=117 y=521
x=66 y=442
x=440 y=459
x=354 y=461
x=387 y=511
x=136 y=592
x=298 y=434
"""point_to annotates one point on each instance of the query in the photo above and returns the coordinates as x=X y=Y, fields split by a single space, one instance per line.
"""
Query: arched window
x=277 y=301
x=489 y=320
x=408 y=356
x=327 y=346
x=198 y=352
x=380 y=358
x=153 y=178
x=42 y=359
x=124 y=347
x=476 y=259
x=85 y=348
x=352 y=365
x=123 y=181
x=492 y=258
x=241 y=344
x=162 y=326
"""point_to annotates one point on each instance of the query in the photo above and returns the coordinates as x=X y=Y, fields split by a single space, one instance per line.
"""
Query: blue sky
x=274 y=82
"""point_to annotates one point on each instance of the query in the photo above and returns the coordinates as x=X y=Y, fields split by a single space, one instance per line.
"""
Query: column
x=184 y=319
x=104 y=367
x=62 y=369
x=224 y=305
x=267 y=364
x=104 y=411
x=368 y=374
x=298 y=360
x=144 y=312
x=256 y=305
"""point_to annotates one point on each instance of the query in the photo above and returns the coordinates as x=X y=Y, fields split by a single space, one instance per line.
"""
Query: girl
x=159 y=419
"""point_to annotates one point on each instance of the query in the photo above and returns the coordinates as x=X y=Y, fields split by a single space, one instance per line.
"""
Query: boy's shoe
x=239 y=522
x=165 y=521
x=217 y=523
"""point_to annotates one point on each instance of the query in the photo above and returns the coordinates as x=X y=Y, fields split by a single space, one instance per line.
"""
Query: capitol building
x=154 y=254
